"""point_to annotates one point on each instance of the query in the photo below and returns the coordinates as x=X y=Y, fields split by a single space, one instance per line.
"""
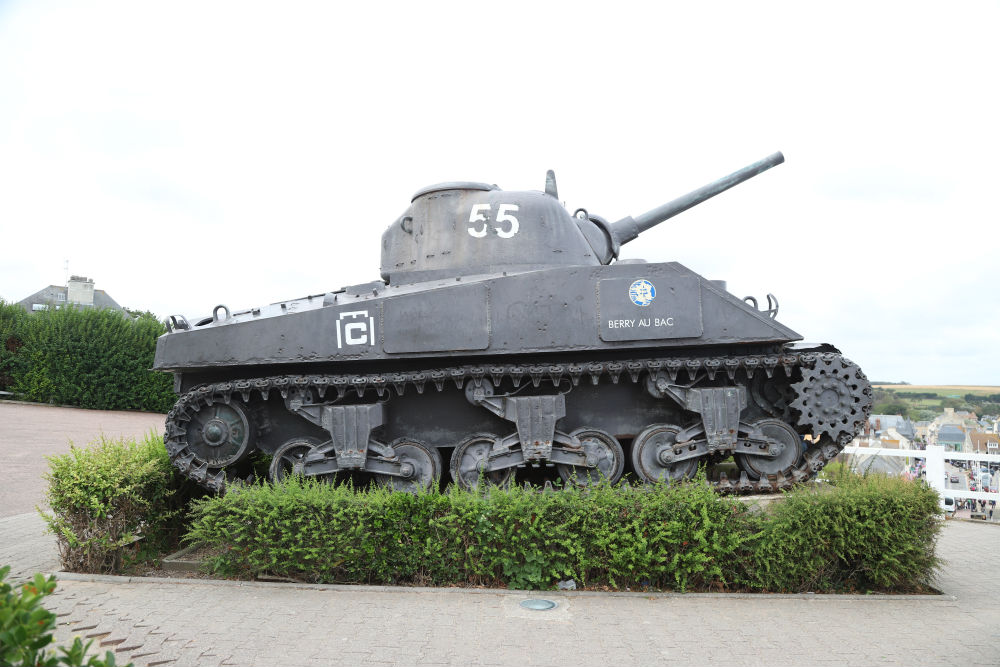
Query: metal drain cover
x=538 y=605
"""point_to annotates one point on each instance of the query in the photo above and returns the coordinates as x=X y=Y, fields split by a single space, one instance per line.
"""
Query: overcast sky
x=185 y=155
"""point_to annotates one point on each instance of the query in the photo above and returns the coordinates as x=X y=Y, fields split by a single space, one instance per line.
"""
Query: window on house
x=60 y=297
x=38 y=306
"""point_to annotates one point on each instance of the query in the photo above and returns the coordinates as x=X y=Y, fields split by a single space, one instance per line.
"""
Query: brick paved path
x=26 y=547
x=30 y=432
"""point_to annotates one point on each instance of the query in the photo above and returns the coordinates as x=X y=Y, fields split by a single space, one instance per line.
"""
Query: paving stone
x=27 y=547
x=30 y=432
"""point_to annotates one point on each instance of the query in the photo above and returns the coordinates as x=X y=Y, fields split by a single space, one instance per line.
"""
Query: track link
x=822 y=450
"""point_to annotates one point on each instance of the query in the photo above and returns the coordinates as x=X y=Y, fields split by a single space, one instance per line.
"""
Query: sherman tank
x=504 y=339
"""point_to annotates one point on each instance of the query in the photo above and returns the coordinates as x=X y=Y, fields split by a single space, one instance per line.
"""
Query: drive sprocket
x=834 y=398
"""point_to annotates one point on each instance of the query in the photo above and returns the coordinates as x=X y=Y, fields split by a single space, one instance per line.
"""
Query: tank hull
x=543 y=312
x=576 y=369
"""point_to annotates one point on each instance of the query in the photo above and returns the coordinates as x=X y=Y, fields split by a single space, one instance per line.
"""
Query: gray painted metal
x=720 y=410
x=580 y=309
x=627 y=229
x=666 y=309
x=410 y=326
x=472 y=269
x=517 y=300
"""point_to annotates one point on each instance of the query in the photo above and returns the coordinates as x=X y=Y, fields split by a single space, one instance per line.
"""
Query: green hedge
x=114 y=503
x=12 y=317
x=660 y=537
x=85 y=357
x=868 y=534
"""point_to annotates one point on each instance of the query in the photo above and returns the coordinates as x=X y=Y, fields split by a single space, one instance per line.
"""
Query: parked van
x=948 y=506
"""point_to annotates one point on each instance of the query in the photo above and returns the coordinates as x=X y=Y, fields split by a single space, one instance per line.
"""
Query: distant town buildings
x=891 y=431
x=78 y=291
x=960 y=431
x=955 y=431
x=896 y=428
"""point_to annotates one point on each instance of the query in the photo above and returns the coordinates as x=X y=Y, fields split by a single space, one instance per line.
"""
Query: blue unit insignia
x=642 y=292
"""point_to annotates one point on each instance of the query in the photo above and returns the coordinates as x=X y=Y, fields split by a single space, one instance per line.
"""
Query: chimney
x=80 y=290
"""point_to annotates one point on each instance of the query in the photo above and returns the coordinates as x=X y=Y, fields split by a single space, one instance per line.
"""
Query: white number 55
x=503 y=216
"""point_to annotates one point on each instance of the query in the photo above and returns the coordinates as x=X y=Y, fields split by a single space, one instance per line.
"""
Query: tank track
x=813 y=364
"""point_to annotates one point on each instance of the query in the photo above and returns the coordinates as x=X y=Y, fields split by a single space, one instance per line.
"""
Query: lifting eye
x=772 y=305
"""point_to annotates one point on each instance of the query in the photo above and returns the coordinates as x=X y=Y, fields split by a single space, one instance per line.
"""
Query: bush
x=26 y=628
x=114 y=504
x=862 y=534
x=89 y=358
x=664 y=537
x=12 y=318
x=835 y=472
x=866 y=533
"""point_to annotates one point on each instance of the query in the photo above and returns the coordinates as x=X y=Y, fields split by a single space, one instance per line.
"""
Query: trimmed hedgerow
x=86 y=357
x=12 y=318
x=866 y=533
x=660 y=537
x=869 y=533
x=114 y=504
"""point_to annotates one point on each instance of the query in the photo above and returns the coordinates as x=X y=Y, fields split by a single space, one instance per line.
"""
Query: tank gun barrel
x=629 y=228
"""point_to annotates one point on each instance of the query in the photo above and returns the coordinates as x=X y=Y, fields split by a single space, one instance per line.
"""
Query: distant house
x=923 y=429
x=952 y=417
x=888 y=431
x=952 y=437
x=985 y=443
x=881 y=424
x=79 y=291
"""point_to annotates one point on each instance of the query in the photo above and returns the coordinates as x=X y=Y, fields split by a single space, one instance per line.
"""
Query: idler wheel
x=468 y=463
x=651 y=455
x=287 y=459
x=420 y=466
x=220 y=434
x=604 y=452
x=789 y=443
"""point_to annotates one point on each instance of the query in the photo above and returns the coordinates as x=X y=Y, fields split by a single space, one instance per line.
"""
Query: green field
x=942 y=390
x=898 y=399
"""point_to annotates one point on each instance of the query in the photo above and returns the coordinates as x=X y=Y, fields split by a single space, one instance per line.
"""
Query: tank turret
x=503 y=344
x=464 y=228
